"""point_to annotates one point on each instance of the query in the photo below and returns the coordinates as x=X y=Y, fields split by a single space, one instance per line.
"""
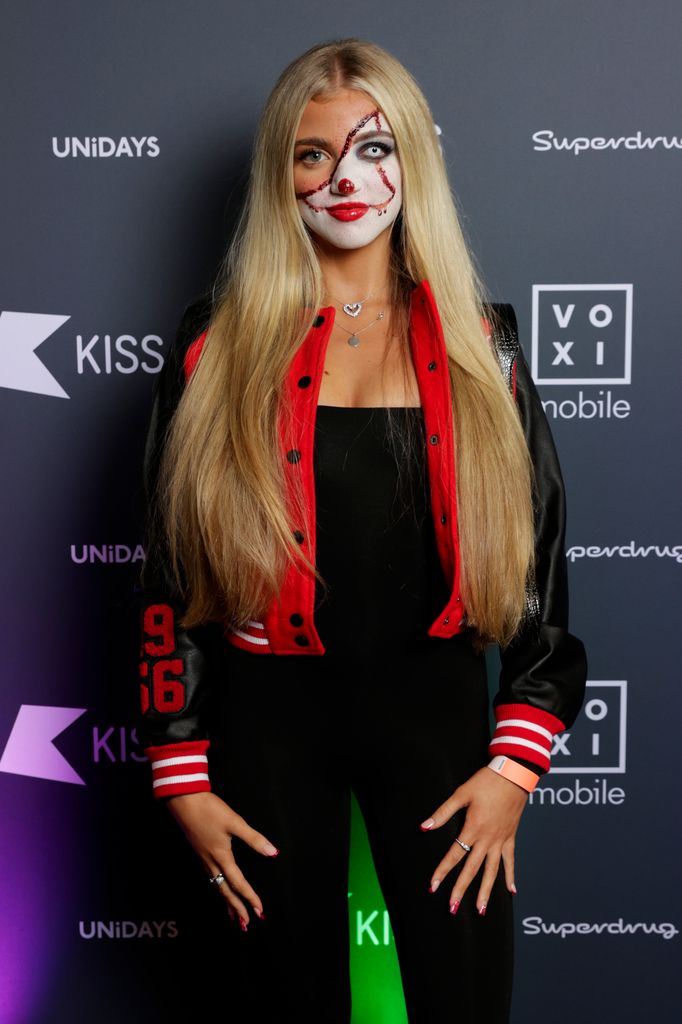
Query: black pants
x=290 y=737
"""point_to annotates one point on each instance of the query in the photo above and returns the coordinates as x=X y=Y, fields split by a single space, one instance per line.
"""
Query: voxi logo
x=582 y=333
x=596 y=743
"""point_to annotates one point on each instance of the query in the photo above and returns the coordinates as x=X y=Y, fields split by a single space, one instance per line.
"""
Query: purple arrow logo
x=20 y=366
x=29 y=749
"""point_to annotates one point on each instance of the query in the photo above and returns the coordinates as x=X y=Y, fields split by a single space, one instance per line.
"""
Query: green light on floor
x=375 y=974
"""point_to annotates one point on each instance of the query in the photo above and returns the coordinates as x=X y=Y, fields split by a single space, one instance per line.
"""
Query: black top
x=376 y=545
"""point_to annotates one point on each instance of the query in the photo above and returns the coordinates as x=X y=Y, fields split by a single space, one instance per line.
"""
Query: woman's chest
x=376 y=373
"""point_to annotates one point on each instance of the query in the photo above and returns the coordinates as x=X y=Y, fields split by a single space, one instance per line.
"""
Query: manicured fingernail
x=270 y=849
x=244 y=925
x=481 y=909
x=260 y=913
x=513 y=888
x=426 y=824
x=454 y=905
x=434 y=885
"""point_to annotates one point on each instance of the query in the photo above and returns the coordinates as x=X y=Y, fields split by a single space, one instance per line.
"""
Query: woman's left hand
x=495 y=806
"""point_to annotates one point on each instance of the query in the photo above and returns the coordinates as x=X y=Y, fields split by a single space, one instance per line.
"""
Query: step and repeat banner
x=126 y=132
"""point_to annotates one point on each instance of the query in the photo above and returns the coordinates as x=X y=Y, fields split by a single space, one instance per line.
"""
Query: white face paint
x=347 y=177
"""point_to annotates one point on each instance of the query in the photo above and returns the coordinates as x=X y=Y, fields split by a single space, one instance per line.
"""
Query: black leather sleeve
x=545 y=666
x=174 y=665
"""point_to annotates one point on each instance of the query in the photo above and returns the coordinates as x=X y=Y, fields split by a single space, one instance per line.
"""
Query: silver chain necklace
x=354 y=341
x=354 y=309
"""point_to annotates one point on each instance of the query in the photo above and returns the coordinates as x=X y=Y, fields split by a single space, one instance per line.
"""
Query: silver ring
x=219 y=878
x=464 y=846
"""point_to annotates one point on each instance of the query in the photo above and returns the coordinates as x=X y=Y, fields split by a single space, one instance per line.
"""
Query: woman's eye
x=373 y=150
x=384 y=150
x=308 y=153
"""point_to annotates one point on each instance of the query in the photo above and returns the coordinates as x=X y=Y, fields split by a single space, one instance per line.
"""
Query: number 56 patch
x=161 y=686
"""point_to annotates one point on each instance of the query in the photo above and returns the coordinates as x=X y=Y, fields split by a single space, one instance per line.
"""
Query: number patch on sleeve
x=161 y=684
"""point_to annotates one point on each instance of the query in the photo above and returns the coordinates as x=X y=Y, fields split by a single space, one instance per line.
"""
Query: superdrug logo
x=564 y=929
x=103 y=146
x=546 y=141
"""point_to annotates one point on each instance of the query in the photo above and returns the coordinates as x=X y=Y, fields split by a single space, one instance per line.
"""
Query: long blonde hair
x=221 y=501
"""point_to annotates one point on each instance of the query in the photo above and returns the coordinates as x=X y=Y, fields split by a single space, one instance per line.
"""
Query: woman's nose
x=346 y=186
x=342 y=183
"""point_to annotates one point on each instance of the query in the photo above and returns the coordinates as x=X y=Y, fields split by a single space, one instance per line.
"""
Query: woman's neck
x=351 y=275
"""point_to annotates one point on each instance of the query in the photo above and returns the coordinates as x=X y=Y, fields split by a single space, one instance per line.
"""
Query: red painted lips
x=347 y=211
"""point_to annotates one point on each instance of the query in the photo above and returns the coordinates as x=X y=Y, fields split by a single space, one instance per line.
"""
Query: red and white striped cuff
x=251 y=637
x=179 y=768
x=524 y=731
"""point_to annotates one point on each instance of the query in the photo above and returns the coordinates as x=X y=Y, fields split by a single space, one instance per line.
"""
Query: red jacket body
x=543 y=670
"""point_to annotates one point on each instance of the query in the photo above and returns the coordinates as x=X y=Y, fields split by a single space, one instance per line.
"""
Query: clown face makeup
x=346 y=170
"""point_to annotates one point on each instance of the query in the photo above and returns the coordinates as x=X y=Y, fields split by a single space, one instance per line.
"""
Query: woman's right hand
x=209 y=824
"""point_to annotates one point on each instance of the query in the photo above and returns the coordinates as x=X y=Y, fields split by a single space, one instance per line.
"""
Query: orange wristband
x=514 y=771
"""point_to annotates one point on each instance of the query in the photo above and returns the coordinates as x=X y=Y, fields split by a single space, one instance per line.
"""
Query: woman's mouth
x=347 y=211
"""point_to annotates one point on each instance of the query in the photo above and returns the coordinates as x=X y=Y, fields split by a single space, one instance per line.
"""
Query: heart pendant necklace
x=353 y=309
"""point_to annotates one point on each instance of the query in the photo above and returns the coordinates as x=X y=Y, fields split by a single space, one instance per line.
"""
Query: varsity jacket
x=543 y=671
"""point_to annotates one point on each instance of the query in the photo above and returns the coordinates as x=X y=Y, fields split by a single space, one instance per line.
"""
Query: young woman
x=352 y=490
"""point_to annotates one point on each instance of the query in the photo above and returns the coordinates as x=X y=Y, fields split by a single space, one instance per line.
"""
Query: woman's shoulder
x=194 y=320
x=502 y=316
x=190 y=334
x=504 y=338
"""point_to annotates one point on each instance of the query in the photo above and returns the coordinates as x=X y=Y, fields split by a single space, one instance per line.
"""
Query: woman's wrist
x=515 y=772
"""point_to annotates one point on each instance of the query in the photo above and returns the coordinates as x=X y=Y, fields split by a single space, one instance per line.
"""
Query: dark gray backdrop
x=112 y=248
